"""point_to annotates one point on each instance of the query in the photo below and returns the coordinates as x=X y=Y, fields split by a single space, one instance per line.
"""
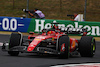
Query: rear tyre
x=87 y=46
x=15 y=40
x=63 y=46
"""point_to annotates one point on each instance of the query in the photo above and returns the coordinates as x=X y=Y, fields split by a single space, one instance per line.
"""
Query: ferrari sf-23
x=52 y=41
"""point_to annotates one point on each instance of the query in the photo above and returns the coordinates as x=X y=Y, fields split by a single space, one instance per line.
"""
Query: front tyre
x=15 y=40
x=87 y=46
x=63 y=46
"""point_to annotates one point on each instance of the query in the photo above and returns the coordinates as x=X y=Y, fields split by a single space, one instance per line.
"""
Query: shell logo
x=73 y=44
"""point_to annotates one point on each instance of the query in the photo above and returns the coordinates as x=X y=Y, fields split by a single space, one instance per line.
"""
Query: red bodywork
x=50 y=34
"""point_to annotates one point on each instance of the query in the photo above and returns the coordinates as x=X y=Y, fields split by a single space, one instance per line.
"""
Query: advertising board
x=15 y=24
x=93 y=28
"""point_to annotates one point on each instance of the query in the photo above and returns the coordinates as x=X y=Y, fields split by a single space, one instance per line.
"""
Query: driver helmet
x=51 y=33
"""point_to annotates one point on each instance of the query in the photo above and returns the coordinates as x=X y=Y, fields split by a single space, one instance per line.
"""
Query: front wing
x=24 y=49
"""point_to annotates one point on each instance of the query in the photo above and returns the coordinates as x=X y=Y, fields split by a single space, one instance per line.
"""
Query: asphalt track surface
x=34 y=60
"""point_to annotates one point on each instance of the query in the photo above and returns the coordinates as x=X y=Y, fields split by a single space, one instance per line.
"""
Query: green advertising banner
x=93 y=28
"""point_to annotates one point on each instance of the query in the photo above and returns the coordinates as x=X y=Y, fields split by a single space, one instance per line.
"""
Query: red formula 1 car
x=52 y=41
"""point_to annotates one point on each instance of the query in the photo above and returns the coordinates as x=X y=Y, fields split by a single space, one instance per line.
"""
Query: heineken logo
x=92 y=30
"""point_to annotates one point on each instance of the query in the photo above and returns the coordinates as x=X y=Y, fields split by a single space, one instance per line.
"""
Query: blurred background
x=53 y=9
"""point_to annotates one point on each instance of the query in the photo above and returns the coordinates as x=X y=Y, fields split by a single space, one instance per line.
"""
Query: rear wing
x=69 y=30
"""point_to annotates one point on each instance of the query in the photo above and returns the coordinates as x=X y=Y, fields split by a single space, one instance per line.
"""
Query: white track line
x=80 y=65
x=1 y=44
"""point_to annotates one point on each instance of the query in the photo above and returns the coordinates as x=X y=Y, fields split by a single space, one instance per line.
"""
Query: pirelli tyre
x=15 y=40
x=63 y=46
x=87 y=46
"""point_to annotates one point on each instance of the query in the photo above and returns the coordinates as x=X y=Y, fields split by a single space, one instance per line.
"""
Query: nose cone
x=36 y=41
x=33 y=44
x=30 y=49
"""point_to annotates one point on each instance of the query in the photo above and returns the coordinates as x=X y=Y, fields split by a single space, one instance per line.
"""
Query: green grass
x=53 y=9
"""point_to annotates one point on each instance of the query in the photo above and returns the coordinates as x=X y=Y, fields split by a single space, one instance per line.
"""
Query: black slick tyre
x=15 y=40
x=87 y=46
x=63 y=46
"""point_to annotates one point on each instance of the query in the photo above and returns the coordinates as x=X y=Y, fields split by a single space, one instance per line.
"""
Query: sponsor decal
x=63 y=47
x=73 y=44
x=38 y=39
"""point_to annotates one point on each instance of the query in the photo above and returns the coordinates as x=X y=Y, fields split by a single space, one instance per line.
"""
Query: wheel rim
x=93 y=44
